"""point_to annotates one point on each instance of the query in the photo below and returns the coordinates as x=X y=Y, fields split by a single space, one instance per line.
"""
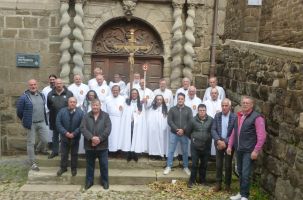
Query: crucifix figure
x=132 y=48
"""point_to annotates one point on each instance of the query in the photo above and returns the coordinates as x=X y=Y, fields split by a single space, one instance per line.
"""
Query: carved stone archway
x=113 y=60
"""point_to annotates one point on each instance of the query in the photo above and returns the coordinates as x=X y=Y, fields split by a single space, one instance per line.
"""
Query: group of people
x=100 y=117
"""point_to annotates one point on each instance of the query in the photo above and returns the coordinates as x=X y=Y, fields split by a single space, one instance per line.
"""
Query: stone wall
x=272 y=75
x=25 y=27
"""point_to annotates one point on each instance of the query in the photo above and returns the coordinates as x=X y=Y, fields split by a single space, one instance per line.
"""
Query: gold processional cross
x=132 y=48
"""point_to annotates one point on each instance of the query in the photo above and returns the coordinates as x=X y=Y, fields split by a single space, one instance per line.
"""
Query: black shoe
x=135 y=156
x=74 y=172
x=129 y=156
x=190 y=184
x=61 y=171
x=105 y=186
x=88 y=185
x=52 y=155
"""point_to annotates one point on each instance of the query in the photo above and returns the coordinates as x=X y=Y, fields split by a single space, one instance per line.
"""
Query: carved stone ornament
x=118 y=34
x=128 y=7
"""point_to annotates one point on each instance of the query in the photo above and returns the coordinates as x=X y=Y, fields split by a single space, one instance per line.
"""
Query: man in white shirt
x=93 y=82
x=146 y=95
x=213 y=83
x=166 y=93
x=79 y=89
x=183 y=89
x=117 y=81
x=136 y=84
x=102 y=88
x=192 y=100
x=114 y=107
x=213 y=106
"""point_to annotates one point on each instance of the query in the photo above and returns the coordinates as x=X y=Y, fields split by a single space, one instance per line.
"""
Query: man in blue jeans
x=96 y=127
x=178 y=118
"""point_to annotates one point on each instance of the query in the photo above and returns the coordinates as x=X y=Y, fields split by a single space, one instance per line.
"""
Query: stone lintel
x=196 y=2
x=178 y=1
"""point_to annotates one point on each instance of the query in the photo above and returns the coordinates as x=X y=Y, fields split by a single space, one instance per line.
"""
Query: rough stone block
x=200 y=82
x=54 y=22
x=1 y=21
x=30 y=22
x=54 y=47
x=25 y=33
x=7 y=117
x=33 y=46
x=40 y=34
x=13 y=22
x=21 y=46
x=4 y=102
x=284 y=190
x=10 y=33
x=44 y=22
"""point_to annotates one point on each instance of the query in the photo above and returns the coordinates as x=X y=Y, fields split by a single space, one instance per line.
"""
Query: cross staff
x=132 y=48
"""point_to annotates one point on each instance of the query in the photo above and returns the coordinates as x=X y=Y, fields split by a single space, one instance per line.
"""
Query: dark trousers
x=244 y=163
x=223 y=158
x=55 y=140
x=72 y=146
x=196 y=156
x=102 y=156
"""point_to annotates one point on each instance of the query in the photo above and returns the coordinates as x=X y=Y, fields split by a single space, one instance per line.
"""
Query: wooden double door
x=111 y=65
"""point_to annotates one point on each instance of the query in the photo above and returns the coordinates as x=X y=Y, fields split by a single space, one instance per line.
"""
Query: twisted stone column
x=65 y=44
x=176 y=72
x=190 y=41
x=79 y=39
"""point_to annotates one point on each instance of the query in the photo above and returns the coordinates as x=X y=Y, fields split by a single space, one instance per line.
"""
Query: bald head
x=59 y=84
x=99 y=79
x=192 y=92
x=97 y=71
x=185 y=83
x=213 y=82
x=77 y=79
x=72 y=103
x=214 y=94
x=32 y=86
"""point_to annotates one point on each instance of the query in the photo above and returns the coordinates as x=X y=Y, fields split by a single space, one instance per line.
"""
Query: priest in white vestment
x=166 y=93
x=192 y=100
x=93 y=82
x=79 y=90
x=117 y=81
x=146 y=95
x=157 y=127
x=213 y=83
x=114 y=107
x=213 y=106
x=183 y=89
x=136 y=84
x=133 y=137
x=101 y=89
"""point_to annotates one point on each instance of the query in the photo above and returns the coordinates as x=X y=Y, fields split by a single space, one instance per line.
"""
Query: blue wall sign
x=28 y=60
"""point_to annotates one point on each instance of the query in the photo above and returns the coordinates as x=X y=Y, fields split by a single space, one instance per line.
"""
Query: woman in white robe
x=157 y=127
x=133 y=126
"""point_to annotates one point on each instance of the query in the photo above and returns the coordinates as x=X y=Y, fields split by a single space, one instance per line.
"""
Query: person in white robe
x=192 y=100
x=166 y=93
x=133 y=138
x=157 y=127
x=213 y=83
x=86 y=107
x=93 y=82
x=136 y=85
x=146 y=95
x=79 y=90
x=101 y=89
x=183 y=89
x=213 y=106
x=114 y=107
x=117 y=81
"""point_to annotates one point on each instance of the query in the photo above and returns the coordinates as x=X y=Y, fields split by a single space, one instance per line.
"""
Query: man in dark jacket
x=31 y=110
x=56 y=99
x=96 y=127
x=178 y=119
x=221 y=130
x=68 y=125
x=199 y=131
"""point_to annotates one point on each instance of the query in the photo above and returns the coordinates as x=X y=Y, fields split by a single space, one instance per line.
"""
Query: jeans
x=244 y=163
x=55 y=147
x=41 y=129
x=72 y=146
x=197 y=155
x=173 y=141
x=222 y=157
x=91 y=156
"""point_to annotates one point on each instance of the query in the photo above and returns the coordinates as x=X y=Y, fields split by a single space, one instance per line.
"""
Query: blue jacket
x=66 y=122
x=216 y=129
x=25 y=109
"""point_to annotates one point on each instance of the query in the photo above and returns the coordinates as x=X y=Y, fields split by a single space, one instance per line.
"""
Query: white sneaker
x=167 y=170
x=35 y=167
x=187 y=171
x=236 y=197
x=244 y=198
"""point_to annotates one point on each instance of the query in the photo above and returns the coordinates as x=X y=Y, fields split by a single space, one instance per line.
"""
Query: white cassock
x=93 y=83
x=79 y=92
x=137 y=143
x=147 y=93
x=114 y=107
x=45 y=91
x=213 y=107
x=167 y=95
x=102 y=92
x=180 y=90
x=126 y=90
x=221 y=94
x=120 y=83
x=157 y=132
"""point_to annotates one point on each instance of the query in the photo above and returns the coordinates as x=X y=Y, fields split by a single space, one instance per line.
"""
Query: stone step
x=118 y=163
x=47 y=175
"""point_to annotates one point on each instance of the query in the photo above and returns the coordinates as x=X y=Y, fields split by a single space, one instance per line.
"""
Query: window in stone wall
x=254 y=2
